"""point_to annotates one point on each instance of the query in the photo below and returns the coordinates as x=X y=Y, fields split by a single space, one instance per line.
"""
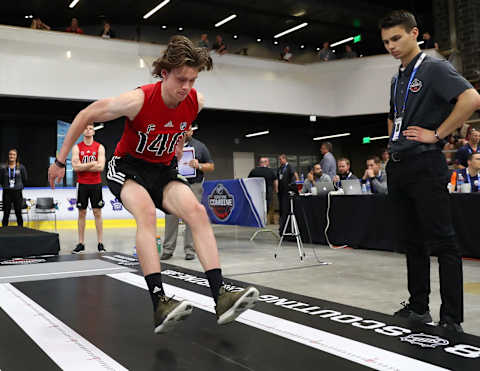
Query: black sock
x=215 y=279
x=155 y=287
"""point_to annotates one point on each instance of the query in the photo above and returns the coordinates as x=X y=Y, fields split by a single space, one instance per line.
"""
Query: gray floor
x=367 y=279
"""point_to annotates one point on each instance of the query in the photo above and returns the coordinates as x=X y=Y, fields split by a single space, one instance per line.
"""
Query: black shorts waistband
x=421 y=148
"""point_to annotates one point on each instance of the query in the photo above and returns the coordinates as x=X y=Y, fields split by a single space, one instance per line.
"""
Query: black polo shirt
x=202 y=155
x=431 y=97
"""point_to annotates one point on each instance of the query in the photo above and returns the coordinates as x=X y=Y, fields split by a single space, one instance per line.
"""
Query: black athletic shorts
x=153 y=177
x=92 y=192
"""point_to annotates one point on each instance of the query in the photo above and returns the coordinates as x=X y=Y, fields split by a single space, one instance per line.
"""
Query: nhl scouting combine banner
x=236 y=202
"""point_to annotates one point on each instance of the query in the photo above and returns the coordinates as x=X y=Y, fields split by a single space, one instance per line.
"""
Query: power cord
x=332 y=193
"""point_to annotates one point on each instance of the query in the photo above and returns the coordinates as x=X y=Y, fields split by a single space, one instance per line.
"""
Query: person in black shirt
x=429 y=100
x=271 y=181
x=13 y=177
x=287 y=177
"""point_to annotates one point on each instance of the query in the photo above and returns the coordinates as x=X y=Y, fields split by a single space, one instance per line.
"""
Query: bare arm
x=179 y=148
x=467 y=103
x=100 y=163
x=127 y=104
x=200 y=100
x=275 y=185
x=207 y=167
x=76 y=164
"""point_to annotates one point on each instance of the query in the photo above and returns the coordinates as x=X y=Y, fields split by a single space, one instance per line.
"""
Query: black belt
x=402 y=156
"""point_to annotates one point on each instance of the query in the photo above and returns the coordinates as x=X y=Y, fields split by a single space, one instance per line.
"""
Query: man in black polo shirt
x=271 y=181
x=429 y=100
x=287 y=177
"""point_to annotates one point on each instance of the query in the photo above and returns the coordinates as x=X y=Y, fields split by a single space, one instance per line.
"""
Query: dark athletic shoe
x=231 y=304
x=408 y=313
x=449 y=324
x=169 y=312
x=165 y=256
x=80 y=247
x=189 y=256
x=101 y=248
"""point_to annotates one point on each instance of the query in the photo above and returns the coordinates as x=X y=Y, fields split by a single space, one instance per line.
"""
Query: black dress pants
x=10 y=196
x=417 y=187
x=284 y=209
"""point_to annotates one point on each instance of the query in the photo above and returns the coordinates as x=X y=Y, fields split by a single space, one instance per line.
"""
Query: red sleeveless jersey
x=88 y=154
x=154 y=133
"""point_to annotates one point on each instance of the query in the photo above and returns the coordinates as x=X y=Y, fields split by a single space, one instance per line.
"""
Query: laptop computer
x=324 y=187
x=352 y=187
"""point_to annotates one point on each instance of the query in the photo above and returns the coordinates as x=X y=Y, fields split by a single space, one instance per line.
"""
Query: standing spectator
x=326 y=53
x=350 y=53
x=328 y=163
x=285 y=55
x=74 y=27
x=203 y=43
x=37 y=24
x=385 y=156
x=418 y=172
x=203 y=163
x=344 y=172
x=13 y=177
x=429 y=43
x=107 y=32
x=313 y=177
x=469 y=148
x=287 y=177
x=219 y=46
x=271 y=182
x=375 y=176
x=88 y=160
x=472 y=172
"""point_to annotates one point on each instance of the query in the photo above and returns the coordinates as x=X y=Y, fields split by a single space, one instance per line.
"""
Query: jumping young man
x=143 y=174
x=88 y=160
x=428 y=101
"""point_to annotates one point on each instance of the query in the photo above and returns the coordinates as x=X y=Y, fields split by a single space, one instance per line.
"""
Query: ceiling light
x=180 y=28
x=259 y=40
x=421 y=42
x=257 y=134
x=342 y=42
x=164 y=27
x=290 y=30
x=275 y=42
x=69 y=54
x=235 y=36
x=318 y=49
x=142 y=63
x=332 y=136
x=98 y=127
x=73 y=3
x=302 y=46
x=313 y=118
x=382 y=137
x=156 y=9
x=29 y=16
x=223 y=21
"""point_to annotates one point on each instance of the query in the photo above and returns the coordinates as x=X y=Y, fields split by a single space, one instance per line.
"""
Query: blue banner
x=234 y=202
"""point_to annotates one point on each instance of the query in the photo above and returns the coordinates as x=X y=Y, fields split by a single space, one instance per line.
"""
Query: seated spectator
x=428 y=42
x=344 y=172
x=326 y=53
x=469 y=148
x=203 y=43
x=471 y=173
x=219 y=46
x=313 y=177
x=271 y=182
x=449 y=150
x=107 y=32
x=385 y=157
x=74 y=27
x=285 y=55
x=37 y=24
x=375 y=176
x=350 y=53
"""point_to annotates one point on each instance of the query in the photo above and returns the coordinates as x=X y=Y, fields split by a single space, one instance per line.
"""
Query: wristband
x=59 y=164
x=437 y=136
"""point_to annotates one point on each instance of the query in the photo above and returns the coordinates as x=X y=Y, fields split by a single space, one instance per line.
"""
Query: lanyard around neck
x=412 y=75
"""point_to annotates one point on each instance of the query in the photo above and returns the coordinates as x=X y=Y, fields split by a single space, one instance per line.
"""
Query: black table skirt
x=365 y=221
